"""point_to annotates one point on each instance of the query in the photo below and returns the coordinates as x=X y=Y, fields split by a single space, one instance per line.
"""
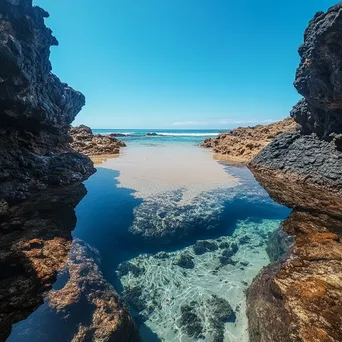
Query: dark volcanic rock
x=84 y=141
x=35 y=239
x=36 y=108
x=314 y=154
x=298 y=298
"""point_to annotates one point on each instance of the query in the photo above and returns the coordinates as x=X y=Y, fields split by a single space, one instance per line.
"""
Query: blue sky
x=180 y=63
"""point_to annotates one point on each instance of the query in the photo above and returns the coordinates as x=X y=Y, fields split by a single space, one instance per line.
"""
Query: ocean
x=161 y=136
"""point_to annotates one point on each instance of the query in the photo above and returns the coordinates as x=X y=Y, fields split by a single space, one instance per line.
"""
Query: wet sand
x=154 y=170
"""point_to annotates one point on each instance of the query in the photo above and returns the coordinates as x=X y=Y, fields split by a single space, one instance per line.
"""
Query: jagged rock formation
x=35 y=239
x=35 y=244
x=110 y=320
x=313 y=155
x=242 y=144
x=84 y=141
x=299 y=297
x=36 y=108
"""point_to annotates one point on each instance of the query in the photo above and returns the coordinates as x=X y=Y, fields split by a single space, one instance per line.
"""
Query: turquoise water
x=182 y=268
x=139 y=136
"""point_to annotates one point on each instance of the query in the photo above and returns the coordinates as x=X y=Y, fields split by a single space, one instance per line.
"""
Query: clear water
x=113 y=220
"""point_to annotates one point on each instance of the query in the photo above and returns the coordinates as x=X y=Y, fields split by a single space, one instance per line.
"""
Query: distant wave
x=186 y=134
x=111 y=132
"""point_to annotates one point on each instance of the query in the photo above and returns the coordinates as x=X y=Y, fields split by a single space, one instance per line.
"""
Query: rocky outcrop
x=35 y=239
x=36 y=108
x=240 y=145
x=86 y=287
x=84 y=141
x=314 y=154
x=36 y=245
x=298 y=298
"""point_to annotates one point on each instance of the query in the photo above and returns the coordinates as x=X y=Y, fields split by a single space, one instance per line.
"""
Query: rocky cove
x=150 y=248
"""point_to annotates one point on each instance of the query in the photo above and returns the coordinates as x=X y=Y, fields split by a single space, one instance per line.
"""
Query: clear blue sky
x=180 y=63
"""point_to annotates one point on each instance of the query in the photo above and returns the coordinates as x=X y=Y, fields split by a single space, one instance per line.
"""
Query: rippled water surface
x=180 y=236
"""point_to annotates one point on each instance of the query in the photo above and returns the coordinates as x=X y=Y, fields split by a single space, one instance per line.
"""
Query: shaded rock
x=240 y=145
x=36 y=108
x=190 y=321
x=204 y=246
x=35 y=239
x=185 y=260
x=86 y=287
x=84 y=141
x=127 y=267
x=299 y=297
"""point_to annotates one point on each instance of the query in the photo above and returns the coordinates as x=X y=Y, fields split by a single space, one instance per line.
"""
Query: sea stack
x=298 y=298
x=36 y=109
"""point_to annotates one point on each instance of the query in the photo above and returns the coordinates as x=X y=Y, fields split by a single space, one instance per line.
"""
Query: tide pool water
x=180 y=237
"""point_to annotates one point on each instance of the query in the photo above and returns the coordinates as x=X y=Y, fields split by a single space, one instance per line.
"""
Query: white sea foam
x=174 y=134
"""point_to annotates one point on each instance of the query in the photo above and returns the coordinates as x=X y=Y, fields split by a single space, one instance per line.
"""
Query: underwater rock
x=163 y=219
x=86 y=289
x=36 y=108
x=190 y=321
x=125 y=267
x=133 y=296
x=35 y=239
x=84 y=141
x=185 y=260
x=204 y=246
x=220 y=313
x=240 y=145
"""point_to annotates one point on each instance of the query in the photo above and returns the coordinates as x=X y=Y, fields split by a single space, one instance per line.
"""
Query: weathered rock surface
x=84 y=141
x=35 y=239
x=314 y=154
x=36 y=244
x=36 y=108
x=242 y=144
x=86 y=288
x=299 y=297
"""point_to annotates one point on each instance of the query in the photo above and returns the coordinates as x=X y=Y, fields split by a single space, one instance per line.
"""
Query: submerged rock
x=190 y=321
x=240 y=145
x=84 y=141
x=35 y=239
x=185 y=260
x=204 y=246
x=87 y=289
x=36 y=108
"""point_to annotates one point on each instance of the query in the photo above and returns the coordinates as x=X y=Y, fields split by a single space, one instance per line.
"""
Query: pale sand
x=99 y=159
x=154 y=170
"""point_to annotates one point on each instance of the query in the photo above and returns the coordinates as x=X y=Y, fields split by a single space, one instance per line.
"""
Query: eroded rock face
x=84 y=141
x=36 y=108
x=319 y=76
x=35 y=239
x=242 y=144
x=299 y=297
x=313 y=155
x=86 y=289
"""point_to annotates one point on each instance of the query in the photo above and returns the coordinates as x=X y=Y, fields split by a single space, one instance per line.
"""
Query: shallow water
x=164 y=199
